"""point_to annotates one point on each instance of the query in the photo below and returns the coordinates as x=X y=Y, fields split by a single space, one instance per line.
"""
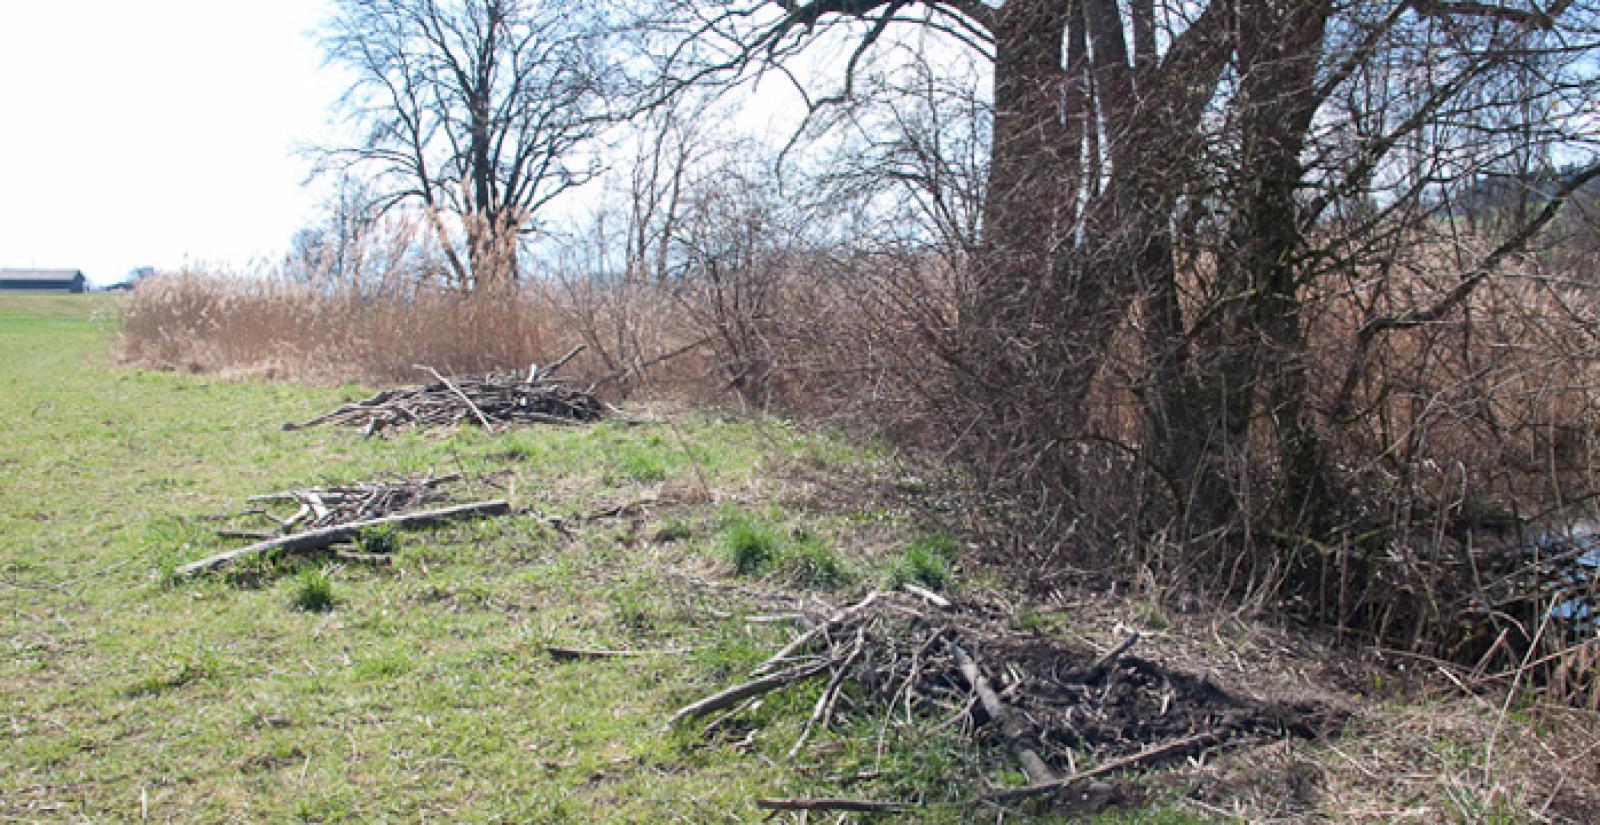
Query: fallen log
x=328 y=536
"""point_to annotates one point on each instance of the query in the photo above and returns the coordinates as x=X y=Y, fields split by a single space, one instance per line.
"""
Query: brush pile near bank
x=493 y=401
x=916 y=654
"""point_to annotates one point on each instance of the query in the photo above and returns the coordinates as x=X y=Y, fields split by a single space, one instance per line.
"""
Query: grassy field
x=425 y=692
x=323 y=691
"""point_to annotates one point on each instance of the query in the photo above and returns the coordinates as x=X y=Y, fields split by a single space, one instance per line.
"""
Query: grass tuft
x=751 y=545
x=645 y=463
x=927 y=561
x=755 y=547
x=673 y=530
x=205 y=664
x=380 y=540
x=633 y=603
x=809 y=562
x=313 y=591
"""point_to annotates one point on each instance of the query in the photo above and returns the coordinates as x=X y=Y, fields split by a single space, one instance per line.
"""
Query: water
x=1575 y=551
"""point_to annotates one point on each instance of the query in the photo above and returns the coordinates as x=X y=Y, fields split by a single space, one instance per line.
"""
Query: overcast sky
x=157 y=132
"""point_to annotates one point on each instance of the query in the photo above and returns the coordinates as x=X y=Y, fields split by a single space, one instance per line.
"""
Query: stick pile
x=319 y=507
x=915 y=654
x=492 y=401
x=334 y=515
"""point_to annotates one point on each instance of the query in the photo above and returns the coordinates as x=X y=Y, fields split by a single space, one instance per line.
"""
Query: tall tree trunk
x=1245 y=348
x=1064 y=257
x=1035 y=176
x=1033 y=170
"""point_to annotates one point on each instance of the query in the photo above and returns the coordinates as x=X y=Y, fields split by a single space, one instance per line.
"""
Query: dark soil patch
x=1133 y=703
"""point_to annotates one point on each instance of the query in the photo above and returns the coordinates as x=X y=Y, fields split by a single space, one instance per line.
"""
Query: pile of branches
x=916 y=654
x=317 y=518
x=314 y=508
x=491 y=401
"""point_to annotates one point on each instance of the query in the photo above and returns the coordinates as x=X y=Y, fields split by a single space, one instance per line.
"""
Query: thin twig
x=825 y=702
x=754 y=687
x=799 y=642
x=482 y=419
x=1147 y=755
x=830 y=804
x=562 y=652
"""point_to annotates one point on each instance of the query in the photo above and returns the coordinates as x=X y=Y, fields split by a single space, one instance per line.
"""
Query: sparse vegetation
x=926 y=560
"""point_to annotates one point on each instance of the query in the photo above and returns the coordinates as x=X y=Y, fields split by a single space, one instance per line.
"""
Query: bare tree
x=473 y=110
x=329 y=251
x=916 y=149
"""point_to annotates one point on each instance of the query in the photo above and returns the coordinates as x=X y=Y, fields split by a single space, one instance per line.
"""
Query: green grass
x=927 y=560
x=754 y=546
x=750 y=544
x=425 y=692
x=809 y=562
x=380 y=540
x=313 y=591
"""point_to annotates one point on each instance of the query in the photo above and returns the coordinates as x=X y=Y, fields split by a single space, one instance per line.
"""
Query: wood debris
x=567 y=653
x=492 y=401
x=318 y=507
x=919 y=655
x=325 y=537
x=829 y=804
x=317 y=518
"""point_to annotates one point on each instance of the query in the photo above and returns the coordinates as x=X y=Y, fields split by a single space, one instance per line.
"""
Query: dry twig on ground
x=320 y=507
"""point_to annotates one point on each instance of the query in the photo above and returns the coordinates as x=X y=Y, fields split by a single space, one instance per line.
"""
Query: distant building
x=42 y=280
